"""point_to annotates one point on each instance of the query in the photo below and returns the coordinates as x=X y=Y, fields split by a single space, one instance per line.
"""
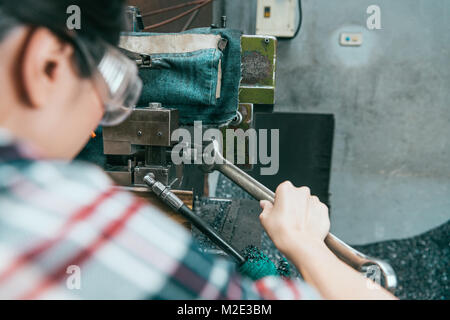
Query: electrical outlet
x=349 y=39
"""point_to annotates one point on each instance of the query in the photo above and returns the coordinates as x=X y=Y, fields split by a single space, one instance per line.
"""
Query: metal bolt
x=159 y=134
x=154 y=105
x=139 y=133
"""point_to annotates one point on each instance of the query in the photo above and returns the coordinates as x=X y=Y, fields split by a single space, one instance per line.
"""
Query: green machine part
x=259 y=54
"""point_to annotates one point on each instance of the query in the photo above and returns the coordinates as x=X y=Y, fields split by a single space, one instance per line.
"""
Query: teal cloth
x=182 y=79
x=188 y=82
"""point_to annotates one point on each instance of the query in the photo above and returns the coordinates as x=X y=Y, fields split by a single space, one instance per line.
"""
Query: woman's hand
x=295 y=218
x=298 y=223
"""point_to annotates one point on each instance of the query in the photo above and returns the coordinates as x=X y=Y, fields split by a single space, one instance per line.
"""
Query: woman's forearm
x=332 y=277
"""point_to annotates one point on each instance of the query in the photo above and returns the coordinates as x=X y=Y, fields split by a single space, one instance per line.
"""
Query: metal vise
x=141 y=145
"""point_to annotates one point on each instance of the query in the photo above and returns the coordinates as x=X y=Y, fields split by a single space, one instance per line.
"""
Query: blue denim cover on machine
x=170 y=88
x=188 y=81
x=182 y=78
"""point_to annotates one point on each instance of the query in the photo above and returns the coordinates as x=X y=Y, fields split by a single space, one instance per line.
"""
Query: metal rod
x=207 y=230
x=170 y=199
x=190 y=20
x=249 y=184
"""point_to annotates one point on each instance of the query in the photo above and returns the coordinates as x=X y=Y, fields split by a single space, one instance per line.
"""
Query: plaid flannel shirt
x=67 y=233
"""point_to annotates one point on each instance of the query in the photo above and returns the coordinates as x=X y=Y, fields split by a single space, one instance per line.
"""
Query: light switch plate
x=351 y=39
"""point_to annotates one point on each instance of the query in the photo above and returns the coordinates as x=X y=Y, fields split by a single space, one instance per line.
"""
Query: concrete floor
x=391 y=165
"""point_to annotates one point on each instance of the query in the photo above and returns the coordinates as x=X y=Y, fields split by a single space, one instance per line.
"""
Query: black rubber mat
x=422 y=263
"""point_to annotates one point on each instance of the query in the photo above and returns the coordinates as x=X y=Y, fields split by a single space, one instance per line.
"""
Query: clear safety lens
x=119 y=86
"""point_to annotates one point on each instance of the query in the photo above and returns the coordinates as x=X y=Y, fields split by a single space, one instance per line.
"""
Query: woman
x=66 y=232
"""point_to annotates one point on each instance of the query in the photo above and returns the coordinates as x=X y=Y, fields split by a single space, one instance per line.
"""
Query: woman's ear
x=44 y=60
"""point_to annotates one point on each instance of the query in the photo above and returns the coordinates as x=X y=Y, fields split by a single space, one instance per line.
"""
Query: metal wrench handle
x=344 y=252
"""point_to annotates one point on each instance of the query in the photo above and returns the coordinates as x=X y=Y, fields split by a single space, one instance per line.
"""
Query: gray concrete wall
x=391 y=166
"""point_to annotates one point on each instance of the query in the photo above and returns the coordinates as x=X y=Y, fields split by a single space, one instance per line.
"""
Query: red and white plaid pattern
x=57 y=215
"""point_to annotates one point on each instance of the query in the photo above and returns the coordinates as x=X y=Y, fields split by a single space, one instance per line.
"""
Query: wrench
x=344 y=252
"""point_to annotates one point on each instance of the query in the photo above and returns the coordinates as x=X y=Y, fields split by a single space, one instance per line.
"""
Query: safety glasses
x=116 y=80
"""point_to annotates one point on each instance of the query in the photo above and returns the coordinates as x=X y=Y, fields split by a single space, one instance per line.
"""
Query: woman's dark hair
x=101 y=20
